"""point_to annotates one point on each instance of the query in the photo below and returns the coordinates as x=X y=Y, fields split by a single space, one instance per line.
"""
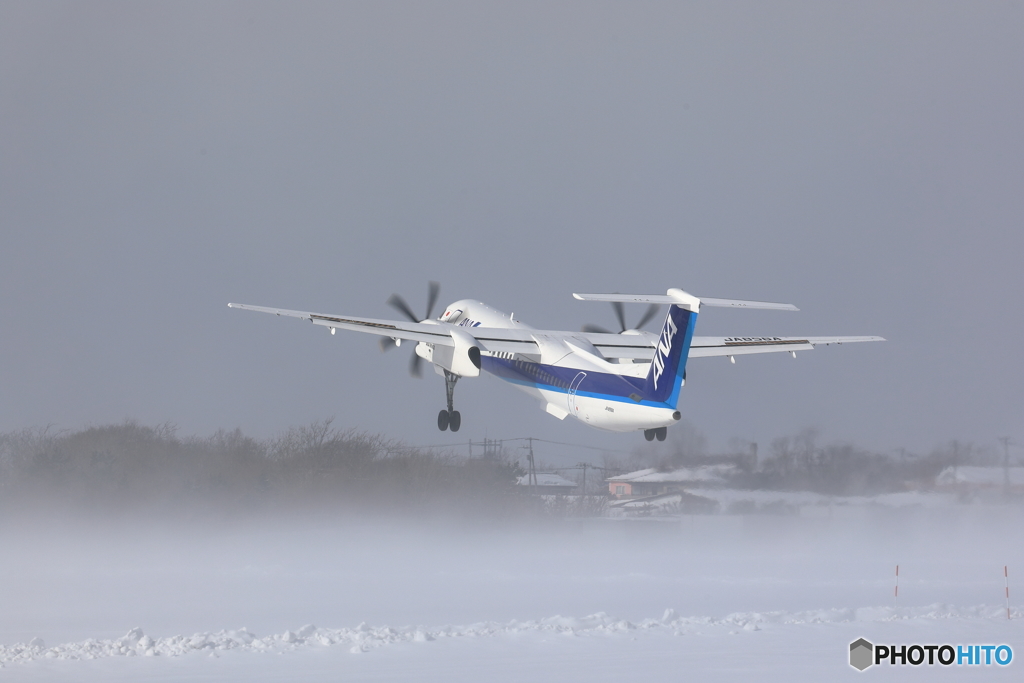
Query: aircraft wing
x=488 y=338
x=641 y=346
x=522 y=340
x=397 y=329
x=703 y=347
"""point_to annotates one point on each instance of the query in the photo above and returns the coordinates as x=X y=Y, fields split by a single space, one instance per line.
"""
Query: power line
x=585 y=466
x=517 y=438
x=563 y=443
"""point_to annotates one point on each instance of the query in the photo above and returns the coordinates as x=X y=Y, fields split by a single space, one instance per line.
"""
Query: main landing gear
x=660 y=433
x=450 y=418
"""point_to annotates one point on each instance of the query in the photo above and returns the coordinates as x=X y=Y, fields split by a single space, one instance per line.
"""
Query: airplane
x=619 y=382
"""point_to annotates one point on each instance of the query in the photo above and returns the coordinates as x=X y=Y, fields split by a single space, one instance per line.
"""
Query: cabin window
x=620 y=490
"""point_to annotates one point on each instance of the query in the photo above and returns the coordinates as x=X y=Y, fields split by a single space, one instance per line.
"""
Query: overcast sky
x=864 y=161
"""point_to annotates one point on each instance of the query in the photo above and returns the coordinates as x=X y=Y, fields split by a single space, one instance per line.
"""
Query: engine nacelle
x=463 y=359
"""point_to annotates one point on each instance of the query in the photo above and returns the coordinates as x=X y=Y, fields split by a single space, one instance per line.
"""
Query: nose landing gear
x=660 y=433
x=450 y=418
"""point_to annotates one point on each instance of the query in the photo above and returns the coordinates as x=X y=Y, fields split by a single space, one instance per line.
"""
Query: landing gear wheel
x=649 y=434
x=449 y=419
x=661 y=433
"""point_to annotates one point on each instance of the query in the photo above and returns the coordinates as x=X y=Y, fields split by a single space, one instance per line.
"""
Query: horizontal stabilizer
x=739 y=303
x=666 y=299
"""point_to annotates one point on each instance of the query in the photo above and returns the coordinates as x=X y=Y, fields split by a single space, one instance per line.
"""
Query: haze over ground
x=721 y=597
x=157 y=161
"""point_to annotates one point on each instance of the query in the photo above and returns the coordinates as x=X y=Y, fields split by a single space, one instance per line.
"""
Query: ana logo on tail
x=664 y=346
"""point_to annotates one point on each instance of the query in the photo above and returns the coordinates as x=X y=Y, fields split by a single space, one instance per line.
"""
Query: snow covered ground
x=775 y=645
x=723 y=597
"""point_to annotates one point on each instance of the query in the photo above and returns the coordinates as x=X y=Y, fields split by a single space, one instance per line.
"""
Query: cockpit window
x=451 y=316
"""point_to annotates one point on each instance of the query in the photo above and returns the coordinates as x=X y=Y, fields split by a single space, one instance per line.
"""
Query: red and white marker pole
x=896 y=592
x=1006 y=579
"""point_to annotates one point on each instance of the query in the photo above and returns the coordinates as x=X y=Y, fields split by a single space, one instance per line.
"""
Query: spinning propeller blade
x=646 y=317
x=620 y=315
x=433 y=289
x=398 y=303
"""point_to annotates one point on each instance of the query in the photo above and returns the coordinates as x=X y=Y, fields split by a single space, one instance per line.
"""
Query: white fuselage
x=558 y=374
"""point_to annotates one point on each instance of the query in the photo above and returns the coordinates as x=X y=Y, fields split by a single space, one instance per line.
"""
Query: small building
x=970 y=479
x=652 y=482
x=548 y=484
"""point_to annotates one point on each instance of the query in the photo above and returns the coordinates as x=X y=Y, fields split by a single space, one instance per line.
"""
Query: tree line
x=130 y=466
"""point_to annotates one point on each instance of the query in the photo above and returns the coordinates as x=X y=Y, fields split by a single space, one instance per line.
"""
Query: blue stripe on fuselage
x=600 y=385
x=668 y=366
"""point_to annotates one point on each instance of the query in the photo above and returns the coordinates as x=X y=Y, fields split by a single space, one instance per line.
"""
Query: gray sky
x=864 y=161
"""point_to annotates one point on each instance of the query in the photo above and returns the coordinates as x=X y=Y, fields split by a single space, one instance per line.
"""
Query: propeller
x=399 y=304
x=620 y=314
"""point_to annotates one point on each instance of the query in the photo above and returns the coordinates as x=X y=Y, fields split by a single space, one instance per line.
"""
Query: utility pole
x=492 y=448
x=584 y=466
x=533 y=470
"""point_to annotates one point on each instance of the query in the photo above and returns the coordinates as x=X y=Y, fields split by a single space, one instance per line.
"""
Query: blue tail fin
x=665 y=377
